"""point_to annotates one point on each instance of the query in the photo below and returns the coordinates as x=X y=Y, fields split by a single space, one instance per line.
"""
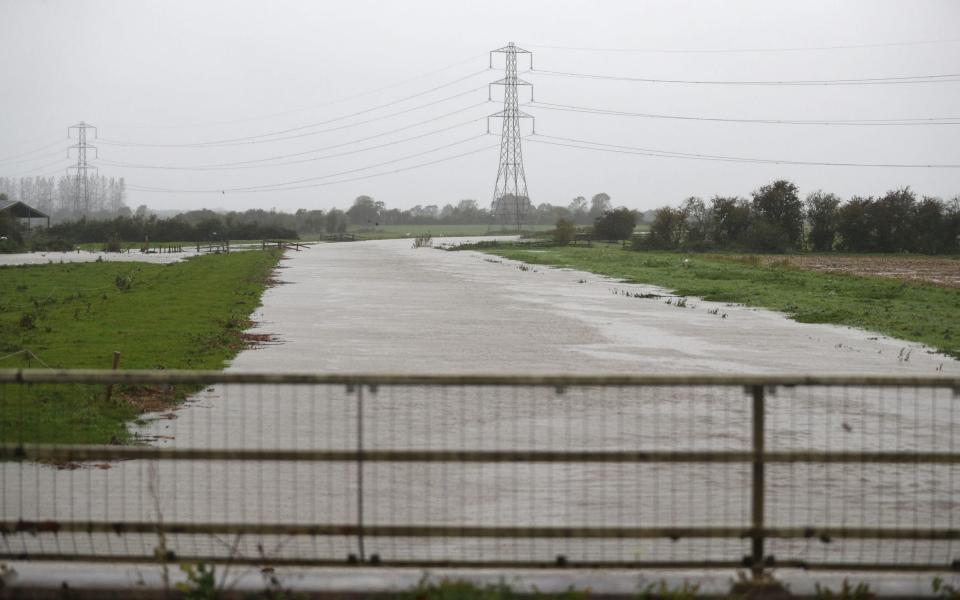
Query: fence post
x=757 y=482
x=360 y=473
x=116 y=363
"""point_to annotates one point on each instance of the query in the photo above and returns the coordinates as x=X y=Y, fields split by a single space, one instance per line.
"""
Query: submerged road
x=384 y=306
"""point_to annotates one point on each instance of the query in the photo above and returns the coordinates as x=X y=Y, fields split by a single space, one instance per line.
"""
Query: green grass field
x=917 y=312
x=187 y=315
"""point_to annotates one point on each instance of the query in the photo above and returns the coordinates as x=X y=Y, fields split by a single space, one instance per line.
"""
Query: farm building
x=24 y=213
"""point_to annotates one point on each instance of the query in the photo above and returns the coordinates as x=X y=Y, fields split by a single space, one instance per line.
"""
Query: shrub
x=617 y=224
x=764 y=236
x=423 y=241
x=778 y=204
x=113 y=245
x=667 y=230
x=822 y=216
x=564 y=232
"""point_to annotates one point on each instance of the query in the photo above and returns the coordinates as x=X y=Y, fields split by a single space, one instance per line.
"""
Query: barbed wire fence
x=702 y=471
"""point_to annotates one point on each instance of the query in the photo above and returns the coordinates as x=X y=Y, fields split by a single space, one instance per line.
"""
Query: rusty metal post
x=360 y=473
x=757 y=482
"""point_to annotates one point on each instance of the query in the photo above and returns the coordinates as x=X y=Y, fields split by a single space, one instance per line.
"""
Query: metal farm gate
x=852 y=473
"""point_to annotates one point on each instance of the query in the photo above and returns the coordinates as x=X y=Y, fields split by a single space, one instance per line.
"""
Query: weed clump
x=423 y=241
x=113 y=245
x=846 y=592
x=27 y=321
x=123 y=282
x=662 y=591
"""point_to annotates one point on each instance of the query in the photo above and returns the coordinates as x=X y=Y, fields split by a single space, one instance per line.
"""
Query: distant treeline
x=196 y=226
x=367 y=212
x=67 y=197
x=775 y=219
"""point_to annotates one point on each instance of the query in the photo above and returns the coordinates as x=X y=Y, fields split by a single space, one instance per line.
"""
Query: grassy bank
x=187 y=315
x=912 y=311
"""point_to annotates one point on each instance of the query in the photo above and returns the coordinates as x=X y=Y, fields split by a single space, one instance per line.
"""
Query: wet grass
x=911 y=311
x=154 y=246
x=451 y=589
x=187 y=315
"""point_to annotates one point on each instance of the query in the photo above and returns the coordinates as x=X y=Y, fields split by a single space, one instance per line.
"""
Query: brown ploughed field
x=938 y=270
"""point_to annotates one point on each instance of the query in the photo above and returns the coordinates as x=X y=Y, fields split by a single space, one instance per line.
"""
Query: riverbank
x=187 y=315
x=908 y=310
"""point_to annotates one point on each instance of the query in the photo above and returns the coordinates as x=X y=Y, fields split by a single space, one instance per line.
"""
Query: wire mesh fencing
x=700 y=471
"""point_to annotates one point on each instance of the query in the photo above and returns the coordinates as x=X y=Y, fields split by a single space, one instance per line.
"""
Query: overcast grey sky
x=189 y=72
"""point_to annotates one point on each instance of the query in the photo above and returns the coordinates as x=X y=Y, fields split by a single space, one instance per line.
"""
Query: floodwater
x=44 y=258
x=386 y=307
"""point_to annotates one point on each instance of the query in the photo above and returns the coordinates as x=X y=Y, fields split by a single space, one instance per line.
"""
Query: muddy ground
x=942 y=271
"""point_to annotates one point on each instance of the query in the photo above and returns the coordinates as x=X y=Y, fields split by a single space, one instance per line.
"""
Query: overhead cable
x=599 y=146
x=280 y=157
x=362 y=177
x=34 y=170
x=34 y=151
x=284 y=184
x=858 y=122
x=291 y=162
x=38 y=157
x=747 y=50
x=906 y=79
x=271 y=136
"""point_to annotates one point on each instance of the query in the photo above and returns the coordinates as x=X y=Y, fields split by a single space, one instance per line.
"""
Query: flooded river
x=386 y=307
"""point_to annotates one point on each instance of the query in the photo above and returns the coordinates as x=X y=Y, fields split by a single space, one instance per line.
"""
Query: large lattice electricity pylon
x=81 y=191
x=510 y=197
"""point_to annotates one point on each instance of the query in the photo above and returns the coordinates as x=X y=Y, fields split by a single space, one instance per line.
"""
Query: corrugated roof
x=30 y=211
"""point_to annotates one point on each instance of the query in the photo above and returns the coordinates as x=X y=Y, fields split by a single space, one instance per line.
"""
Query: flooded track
x=385 y=307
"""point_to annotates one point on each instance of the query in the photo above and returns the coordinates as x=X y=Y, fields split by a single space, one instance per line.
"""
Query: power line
x=61 y=163
x=349 y=171
x=908 y=79
x=280 y=157
x=260 y=138
x=748 y=50
x=284 y=184
x=346 y=126
x=590 y=145
x=363 y=177
x=292 y=162
x=34 y=151
x=391 y=172
x=33 y=158
x=852 y=122
x=322 y=104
